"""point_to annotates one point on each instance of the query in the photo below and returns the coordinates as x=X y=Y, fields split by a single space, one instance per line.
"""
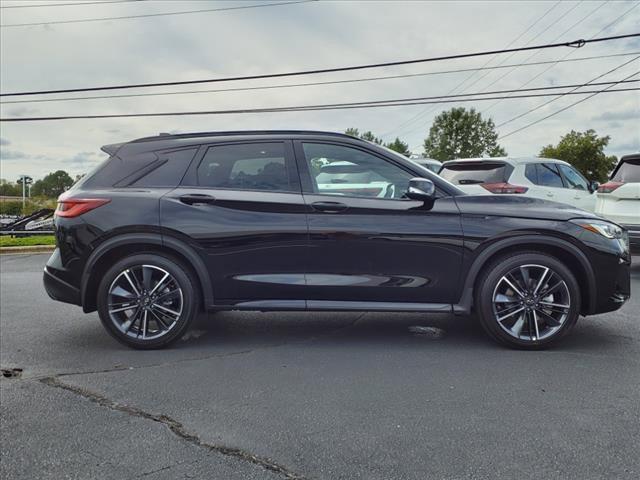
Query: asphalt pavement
x=313 y=396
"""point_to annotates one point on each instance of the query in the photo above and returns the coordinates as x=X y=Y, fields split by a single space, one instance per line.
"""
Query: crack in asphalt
x=175 y=427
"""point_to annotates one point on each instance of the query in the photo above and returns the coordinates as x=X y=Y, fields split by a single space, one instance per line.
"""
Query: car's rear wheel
x=147 y=300
x=528 y=300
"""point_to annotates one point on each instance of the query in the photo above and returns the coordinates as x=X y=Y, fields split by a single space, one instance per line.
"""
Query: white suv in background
x=619 y=198
x=544 y=178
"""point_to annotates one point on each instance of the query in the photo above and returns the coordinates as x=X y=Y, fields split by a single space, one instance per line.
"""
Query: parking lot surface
x=307 y=395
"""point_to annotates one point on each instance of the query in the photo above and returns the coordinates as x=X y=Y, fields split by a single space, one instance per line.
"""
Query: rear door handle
x=197 y=199
x=329 y=207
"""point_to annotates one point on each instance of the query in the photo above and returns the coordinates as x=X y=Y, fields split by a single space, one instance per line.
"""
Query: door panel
x=254 y=241
x=372 y=245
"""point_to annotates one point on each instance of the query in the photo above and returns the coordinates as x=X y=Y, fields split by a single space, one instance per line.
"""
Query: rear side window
x=628 y=172
x=167 y=171
x=469 y=174
x=250 y=166
x=548 y=175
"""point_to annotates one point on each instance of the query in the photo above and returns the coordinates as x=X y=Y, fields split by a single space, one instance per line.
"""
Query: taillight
x=69 y=207
x=504 y=188
x=609 y=187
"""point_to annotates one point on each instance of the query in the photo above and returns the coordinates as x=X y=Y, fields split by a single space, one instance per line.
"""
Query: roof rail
x=166 y=136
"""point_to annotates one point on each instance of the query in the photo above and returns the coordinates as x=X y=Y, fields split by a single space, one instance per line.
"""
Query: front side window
x=573 y=178
x=340 y=170
x=250 y=166
x=548 y=175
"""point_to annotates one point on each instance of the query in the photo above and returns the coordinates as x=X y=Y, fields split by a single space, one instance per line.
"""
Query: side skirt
x=336 y=306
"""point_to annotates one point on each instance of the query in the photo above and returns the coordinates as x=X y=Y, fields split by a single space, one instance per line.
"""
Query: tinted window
x=117 y=169
x=250 y=166
x=339 y=170
x=548 y=175
x=629 y=171
x=168 y=170
x=471 y=173
x=531 y=172
x=574 y=179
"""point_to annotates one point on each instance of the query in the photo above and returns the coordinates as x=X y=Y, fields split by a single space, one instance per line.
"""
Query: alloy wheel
x=531 y=302
x=145 y=302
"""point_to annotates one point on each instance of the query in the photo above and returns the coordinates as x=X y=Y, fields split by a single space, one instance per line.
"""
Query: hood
x=519 y=206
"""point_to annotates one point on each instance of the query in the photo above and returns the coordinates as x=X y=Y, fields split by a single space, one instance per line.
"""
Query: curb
x=27 y=249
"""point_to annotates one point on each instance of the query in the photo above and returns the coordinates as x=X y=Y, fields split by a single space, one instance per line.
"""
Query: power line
x=574 y=44
x=593 y=94
x=591 y=82
x=531 y=79
x=307 y=84
x=454 y=89
x=304 y=108
x=148 y=15
x=69 y=4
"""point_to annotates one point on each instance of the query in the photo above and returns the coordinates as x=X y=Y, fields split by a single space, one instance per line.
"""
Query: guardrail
x=26 y=232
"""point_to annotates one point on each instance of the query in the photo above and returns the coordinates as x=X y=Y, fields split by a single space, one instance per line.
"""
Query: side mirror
x=593 y=186
x=421 y=189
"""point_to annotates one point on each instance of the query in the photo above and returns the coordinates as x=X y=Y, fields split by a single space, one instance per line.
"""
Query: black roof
x=235 y=133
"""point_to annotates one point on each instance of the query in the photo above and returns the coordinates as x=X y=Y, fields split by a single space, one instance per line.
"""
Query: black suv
x=296 y=220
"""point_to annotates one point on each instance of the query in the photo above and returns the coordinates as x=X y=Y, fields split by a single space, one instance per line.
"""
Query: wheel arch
x=559 y=248
x=129 y=243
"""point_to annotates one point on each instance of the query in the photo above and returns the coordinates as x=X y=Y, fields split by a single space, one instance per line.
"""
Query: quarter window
x=251 y=166
x=340 y=170
x=573 y=178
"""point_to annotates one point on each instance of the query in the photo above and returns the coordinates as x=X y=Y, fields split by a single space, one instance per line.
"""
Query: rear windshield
x=469 y=174
x=629 y=171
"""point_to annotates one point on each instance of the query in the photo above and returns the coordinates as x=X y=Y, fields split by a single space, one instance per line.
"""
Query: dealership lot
x=323 y=396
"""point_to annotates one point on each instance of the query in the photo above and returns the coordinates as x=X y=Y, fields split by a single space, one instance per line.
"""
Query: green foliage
x=52 y=184
x=10 y=189
x=462 y=133
x=7 y=241
x=399 y=146
x=585 y=151
x=14 y=207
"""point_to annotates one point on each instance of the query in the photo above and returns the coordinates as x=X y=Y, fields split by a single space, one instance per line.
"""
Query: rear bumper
x=60 y=290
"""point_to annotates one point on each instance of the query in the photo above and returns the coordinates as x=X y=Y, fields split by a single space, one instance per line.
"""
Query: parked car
x=430 y=163
x=544 y=178
x=172 y=225
x=619 y=199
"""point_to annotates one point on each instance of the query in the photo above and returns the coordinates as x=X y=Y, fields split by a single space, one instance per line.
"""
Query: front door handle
x=329 y=207
x=197 y=199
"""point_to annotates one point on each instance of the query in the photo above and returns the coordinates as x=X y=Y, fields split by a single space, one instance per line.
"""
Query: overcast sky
x=296 y=37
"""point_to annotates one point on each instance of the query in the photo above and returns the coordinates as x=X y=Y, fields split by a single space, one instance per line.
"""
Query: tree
x=585 y=151
x=368 y=135
x=462 y=133
x=53 y=184
x=399 y=146
x=9 y=189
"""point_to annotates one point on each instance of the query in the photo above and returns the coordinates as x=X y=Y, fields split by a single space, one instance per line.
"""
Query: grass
x=8 y=241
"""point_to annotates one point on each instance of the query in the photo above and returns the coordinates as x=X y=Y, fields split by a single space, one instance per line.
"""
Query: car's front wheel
x=528 y=300
x=147 y=300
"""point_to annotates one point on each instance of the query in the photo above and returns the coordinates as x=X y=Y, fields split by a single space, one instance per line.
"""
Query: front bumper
x=634 y=237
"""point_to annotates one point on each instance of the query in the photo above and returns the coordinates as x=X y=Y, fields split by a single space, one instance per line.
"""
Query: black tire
x=492 y=279
x=181 y=279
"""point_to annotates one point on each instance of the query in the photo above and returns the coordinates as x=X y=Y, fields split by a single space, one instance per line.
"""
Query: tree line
x=463 y=133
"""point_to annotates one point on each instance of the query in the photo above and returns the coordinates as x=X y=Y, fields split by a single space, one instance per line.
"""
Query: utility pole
x=25 y=180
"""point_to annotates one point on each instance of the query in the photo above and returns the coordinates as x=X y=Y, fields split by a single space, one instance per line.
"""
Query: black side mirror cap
x=421 y=189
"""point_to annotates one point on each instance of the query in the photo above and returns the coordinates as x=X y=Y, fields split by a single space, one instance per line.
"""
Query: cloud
x=22 y=111
x=6 y=154
x=628 y=114
x=4 y=142
x=84 y=159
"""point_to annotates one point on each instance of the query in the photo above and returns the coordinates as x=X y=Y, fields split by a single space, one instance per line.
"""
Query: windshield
x=628 y=172
x=474 y=173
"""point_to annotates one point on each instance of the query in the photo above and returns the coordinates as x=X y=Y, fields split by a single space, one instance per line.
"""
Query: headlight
x=606 y=229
